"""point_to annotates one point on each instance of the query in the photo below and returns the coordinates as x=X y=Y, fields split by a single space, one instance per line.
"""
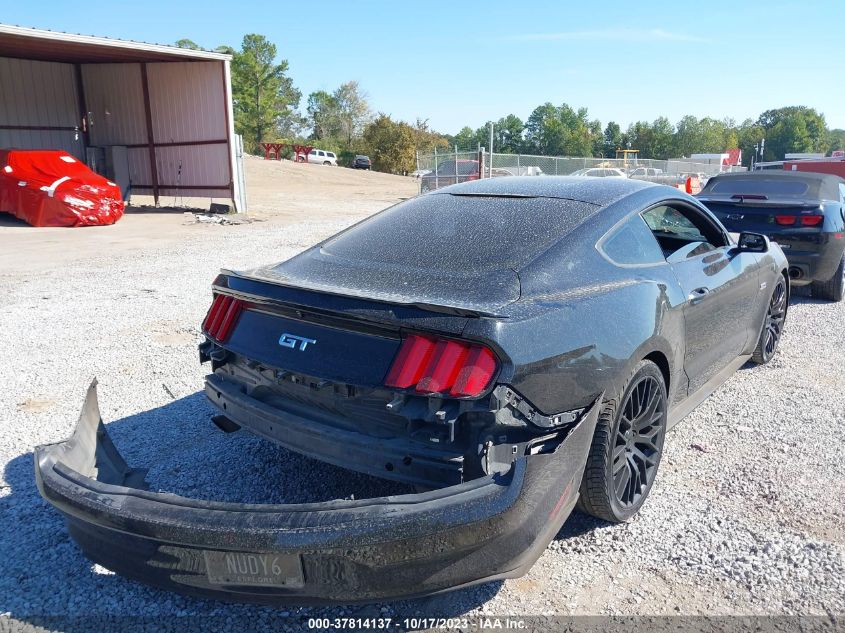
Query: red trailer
x=835 y=166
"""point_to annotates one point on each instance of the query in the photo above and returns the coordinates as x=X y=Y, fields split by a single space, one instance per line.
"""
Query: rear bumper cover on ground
x=331 y=552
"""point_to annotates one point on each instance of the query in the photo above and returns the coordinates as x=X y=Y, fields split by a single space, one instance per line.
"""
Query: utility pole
x=490 y=169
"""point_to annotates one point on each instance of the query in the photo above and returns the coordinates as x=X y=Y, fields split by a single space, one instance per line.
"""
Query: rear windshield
x=766 y=187
x=456 y=233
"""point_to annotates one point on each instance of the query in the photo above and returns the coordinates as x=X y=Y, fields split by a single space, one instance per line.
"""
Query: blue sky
x=462 y=63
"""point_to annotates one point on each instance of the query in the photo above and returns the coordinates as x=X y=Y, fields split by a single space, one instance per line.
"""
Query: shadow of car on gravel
x=45 y=574
x=805 y=300
x=7 y=219
x=579 y=524
x=798 y=295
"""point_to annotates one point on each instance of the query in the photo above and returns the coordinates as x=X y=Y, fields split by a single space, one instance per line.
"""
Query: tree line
x=267 y=109
x=563 y=131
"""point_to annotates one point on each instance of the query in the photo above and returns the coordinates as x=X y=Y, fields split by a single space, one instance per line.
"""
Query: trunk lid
x=336 y=338
x=757 y=215
x=353 y=355
x=480 y=292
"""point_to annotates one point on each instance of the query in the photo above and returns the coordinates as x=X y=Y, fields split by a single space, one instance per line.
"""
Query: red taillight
x=213 y=311
x=430 y=365
x=443 y=367
x=785 y=220
x=476 y=373
x=222 y=317
x=410 y=362
x=811 y=220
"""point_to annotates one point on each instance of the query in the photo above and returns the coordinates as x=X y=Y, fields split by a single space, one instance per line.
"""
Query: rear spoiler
x=756 y=201
x=463 y=311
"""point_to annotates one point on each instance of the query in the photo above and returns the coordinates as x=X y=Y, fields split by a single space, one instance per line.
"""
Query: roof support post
x=230 y=150
x=83 y=107
x=150 y=140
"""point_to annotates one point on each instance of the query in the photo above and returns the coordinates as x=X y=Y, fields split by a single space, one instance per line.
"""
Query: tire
x=326 y=162
x=622 y=463
x=772 y=330
x=832 y=289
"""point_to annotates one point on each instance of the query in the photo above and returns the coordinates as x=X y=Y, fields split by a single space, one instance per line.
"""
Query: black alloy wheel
x=772 y=324
x=627 y=446
x=638 y=441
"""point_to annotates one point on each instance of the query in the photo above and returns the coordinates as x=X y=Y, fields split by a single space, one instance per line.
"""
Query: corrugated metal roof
x=27 y=43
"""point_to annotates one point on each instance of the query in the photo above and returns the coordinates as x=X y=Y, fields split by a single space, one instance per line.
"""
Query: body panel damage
x=331 y=552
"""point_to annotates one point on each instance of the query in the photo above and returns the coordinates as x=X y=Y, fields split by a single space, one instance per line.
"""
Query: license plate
x=260 y=570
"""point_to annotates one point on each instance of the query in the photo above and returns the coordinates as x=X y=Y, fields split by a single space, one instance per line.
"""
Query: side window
x=313 y=152
x=321 y=153
x=633 y=243
x=675 y=227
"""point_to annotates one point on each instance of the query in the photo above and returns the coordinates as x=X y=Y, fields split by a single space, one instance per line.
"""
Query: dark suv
x=450 y=172
x=362 y=162
x=803 y=212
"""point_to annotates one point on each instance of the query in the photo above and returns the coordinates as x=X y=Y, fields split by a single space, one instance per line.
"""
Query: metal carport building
x=156 y=119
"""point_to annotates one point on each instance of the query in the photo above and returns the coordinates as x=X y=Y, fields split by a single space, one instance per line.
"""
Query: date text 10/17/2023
x=419 y=623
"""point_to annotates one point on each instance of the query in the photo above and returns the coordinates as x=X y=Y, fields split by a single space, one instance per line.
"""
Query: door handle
x=698 y=294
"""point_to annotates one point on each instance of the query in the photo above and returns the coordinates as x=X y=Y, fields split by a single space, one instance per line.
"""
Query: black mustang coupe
x=511 y=346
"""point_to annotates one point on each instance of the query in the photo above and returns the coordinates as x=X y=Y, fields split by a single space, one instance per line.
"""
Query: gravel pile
x=746 y=516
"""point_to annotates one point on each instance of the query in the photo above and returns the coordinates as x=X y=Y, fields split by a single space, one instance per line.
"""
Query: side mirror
x=753 y=242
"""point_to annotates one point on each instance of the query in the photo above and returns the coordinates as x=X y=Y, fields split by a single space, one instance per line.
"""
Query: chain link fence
x=441 y=169
x=444 y=169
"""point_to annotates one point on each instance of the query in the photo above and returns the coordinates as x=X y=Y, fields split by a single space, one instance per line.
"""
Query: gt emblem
x=735 y=216
x=292 y=341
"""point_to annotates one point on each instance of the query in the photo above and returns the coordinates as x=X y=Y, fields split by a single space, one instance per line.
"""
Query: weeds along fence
x=441 y=169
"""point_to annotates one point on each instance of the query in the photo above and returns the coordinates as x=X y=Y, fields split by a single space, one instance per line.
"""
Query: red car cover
x=52 y=188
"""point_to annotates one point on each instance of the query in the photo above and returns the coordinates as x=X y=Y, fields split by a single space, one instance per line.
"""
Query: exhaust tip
x=795 y=272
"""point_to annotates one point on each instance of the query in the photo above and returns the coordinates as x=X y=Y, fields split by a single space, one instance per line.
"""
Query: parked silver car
x=644 y=173
x=600 y=172
x=322 y=157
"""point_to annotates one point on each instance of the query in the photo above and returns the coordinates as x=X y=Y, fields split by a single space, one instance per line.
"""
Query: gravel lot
x=746 y=517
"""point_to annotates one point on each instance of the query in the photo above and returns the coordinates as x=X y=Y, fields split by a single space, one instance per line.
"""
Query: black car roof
x=819 y=186
x=598 y=191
